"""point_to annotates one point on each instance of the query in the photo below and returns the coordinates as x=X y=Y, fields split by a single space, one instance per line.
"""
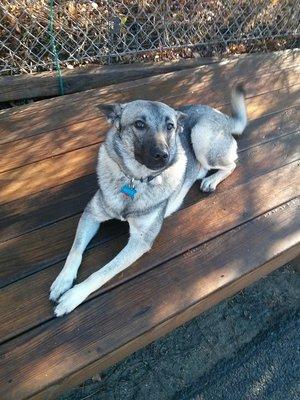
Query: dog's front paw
x=208 y=184
x=70 y=300
x=61 y=284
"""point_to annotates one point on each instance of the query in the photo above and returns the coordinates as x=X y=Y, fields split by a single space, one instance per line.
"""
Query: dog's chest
x=123 y=204
x=147 y=194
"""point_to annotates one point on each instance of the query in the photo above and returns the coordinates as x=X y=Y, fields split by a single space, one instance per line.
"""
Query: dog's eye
x=139 y=124
x=170 y=126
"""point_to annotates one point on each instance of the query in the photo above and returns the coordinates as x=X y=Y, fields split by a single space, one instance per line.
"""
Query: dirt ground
x=246 y=348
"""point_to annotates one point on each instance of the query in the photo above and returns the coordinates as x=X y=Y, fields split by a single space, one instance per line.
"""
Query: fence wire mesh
x=39 y=35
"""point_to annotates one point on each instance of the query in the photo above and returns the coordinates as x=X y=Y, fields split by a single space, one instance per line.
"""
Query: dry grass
x=107 y=31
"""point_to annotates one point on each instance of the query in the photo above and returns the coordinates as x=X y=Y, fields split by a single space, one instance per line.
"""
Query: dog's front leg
x=87 y=228
x=143 y=231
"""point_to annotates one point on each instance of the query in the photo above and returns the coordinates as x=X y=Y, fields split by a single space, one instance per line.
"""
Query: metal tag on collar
x=129 y=190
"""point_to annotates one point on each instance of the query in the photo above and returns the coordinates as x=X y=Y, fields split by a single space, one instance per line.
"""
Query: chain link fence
x=39 y=35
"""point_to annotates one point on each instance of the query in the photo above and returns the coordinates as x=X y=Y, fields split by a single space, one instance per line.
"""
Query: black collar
x=147 y=179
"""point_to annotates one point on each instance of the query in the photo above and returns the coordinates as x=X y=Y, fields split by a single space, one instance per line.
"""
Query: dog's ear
x=180 y=118
x=111 y=111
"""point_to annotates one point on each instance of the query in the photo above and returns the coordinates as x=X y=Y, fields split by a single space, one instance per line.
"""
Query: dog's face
x=147 y=130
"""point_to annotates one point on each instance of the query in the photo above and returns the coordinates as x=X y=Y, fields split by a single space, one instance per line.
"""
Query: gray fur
x=162 y=152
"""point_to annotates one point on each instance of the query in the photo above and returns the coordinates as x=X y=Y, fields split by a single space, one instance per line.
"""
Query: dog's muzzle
x=153 y=157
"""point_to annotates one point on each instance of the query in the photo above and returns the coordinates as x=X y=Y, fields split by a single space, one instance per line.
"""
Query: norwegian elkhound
x=151 y=157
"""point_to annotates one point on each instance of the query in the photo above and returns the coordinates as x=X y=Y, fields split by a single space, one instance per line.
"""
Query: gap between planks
x=68 y=113
x=84 y=78
x=28 y=179
x=259 y=131
x=32 y=149
x=180 y=233
x=34 y=255
x=251 y=62
x=128 y=315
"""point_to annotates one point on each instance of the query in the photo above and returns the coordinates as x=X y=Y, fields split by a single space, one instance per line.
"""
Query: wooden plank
x=46 y=84
x=36 y=148
x=95 y=76
x=82 y=134
x=45 y=361
x=169 y=325
x=62 y=352
x=46 y=207
x=59 y=169
x=181 y=232
x=252 y=62
x=31 y=252
x=64 y=114
x=32 y=212
x=57 y=113
x=270 y=126
x=47 y=173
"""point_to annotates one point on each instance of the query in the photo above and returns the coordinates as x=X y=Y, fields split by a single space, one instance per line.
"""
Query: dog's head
x=147 y=130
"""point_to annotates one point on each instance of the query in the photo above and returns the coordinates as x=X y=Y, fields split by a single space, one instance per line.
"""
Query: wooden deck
x=211 y=248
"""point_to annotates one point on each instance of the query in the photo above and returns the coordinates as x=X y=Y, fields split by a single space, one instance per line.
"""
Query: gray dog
x=151 y=157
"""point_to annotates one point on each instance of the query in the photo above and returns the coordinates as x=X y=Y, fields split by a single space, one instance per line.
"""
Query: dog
x=151 y=157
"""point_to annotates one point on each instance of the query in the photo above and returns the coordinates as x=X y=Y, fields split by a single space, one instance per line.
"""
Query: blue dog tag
x=128 y=190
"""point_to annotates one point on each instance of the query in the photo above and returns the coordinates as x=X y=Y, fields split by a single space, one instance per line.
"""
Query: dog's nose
x=160 y=154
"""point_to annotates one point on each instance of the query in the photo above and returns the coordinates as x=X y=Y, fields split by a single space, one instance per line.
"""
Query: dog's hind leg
x=210 y=183
x=87 y=228
x=143 y=231
x=202 y=173
x=221 y=154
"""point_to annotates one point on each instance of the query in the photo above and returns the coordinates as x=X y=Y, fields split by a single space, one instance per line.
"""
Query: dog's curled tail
x=239 y=116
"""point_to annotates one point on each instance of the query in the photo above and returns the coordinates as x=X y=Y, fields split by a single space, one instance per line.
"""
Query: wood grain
x=47 y=145
x=211 y=248
x=95 y=76
x=45 y=116
x=38 y=249
x=45 y=84
x=59 y=169
x=46 y=207
x=47 y=173
x=274 y=62
x=75 y=136
x=184 y=230
x=50 y=358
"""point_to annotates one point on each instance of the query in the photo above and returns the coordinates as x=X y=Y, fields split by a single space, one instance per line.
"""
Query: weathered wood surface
x=47 y=115
x=32 y=252
x=67 y=350
x=18 y=313
x=31 y=178
x=211 y=248
x=46 y=84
